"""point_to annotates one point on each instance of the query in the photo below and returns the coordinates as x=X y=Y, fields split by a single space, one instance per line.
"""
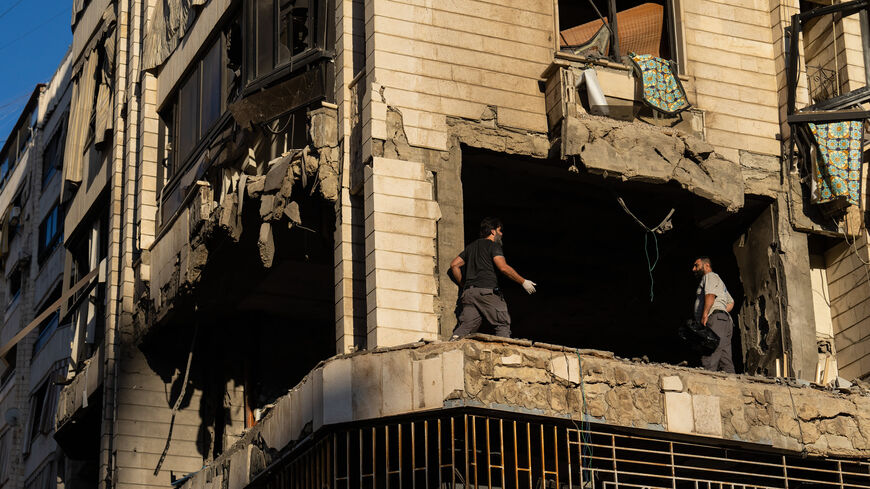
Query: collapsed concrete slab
x=635 y=151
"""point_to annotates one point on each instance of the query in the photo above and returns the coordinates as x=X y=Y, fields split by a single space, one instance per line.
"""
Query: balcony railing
x=482 y=449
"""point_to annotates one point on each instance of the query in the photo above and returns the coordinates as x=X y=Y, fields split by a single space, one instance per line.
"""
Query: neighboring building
x=32 y=263
x=263 y=198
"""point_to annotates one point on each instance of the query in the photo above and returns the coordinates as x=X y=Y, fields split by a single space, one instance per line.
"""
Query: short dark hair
x=705 y=259
x=488 y=224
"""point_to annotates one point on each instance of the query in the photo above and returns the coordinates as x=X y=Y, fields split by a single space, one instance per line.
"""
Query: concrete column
x=400 y=225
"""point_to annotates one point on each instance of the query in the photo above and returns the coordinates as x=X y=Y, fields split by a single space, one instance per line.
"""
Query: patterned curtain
x=661 y=88
x=837 y=172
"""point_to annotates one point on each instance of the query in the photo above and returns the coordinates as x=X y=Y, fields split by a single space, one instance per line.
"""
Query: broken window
x=52 y=158
x=197 y=106
x=280 y=30
x=86 y=308
x=586 y=28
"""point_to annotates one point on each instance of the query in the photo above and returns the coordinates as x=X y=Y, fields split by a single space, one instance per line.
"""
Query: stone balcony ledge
x=540 y=379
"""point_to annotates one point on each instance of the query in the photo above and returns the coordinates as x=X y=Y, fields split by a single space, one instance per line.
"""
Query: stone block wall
x=453 y=60
x=400 y=248
x=850 y=307
x=730 y=57
x=546 y=380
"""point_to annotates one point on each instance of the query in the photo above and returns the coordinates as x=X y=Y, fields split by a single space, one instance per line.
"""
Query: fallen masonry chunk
x=266 y=245
x=291 y=210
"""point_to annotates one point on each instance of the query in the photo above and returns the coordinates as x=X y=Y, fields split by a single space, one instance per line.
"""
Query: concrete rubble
x=275 y=188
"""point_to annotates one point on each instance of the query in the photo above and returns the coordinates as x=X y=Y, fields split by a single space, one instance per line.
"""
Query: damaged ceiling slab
x=635 y=151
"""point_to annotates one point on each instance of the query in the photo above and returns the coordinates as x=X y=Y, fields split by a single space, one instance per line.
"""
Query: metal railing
x=486 y=451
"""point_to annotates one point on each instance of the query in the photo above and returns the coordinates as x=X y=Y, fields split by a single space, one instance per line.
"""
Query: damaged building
x=261 y=200
x=34 y=337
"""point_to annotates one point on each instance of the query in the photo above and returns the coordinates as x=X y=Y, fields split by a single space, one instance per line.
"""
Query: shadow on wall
x=257 y=331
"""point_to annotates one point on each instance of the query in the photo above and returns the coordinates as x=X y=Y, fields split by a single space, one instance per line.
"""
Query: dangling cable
x=651 y=265
x=663 y=226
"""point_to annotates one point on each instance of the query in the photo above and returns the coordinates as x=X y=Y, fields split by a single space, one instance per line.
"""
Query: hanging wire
x=663 y=226
x=651 y=265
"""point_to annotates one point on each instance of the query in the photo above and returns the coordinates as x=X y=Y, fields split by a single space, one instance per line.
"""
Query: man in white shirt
x=713 y=304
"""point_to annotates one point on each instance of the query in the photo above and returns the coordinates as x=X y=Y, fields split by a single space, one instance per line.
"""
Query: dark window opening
x=595 y=266
x=15 y=285
x=37 y=402
x=6 y=164
x=643 y=27
x=46 y=330
x=190 y=117
x=11 y=360
x=285 y=134
x=50 y=231
x=14 y=216
x=48 y=326
x=52 y=159
x=280 y=30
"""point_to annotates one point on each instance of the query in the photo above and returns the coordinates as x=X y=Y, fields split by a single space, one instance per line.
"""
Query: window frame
x=4 y=454
x=13 y=296
x=11 y=358
x=169 y=153
x=673 y=23
x=47 y=244
x=54 y=148
x=318 y=31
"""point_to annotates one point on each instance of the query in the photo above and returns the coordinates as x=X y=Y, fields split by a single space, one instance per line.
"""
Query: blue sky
x=34 y=36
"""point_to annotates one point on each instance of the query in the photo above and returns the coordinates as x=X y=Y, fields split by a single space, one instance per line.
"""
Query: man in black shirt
x=480 y=296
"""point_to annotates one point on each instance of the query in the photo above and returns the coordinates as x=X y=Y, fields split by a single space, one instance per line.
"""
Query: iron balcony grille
x=468 y=450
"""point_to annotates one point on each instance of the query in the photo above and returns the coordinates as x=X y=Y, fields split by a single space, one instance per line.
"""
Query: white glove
x=529 y=286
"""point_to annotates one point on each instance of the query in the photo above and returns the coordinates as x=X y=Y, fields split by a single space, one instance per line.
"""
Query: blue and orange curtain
x=661 y=88
x=837 y=173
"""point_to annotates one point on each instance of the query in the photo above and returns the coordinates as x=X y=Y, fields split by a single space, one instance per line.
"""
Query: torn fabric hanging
x=662 y=90
x=81 y=107
x=169 y=23
x=103 y=122
x=838 y=172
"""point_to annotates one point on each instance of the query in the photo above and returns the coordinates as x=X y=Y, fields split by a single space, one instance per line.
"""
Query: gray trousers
x=478 y=304
x=721 y=324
